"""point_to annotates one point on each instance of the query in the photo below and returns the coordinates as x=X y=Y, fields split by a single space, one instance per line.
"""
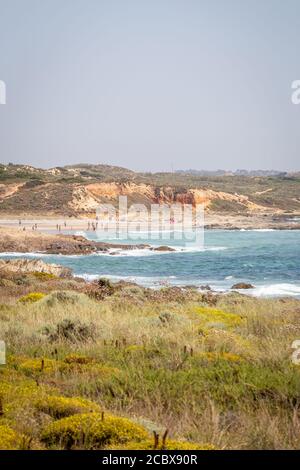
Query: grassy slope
x=212 y=370
x=46 y=191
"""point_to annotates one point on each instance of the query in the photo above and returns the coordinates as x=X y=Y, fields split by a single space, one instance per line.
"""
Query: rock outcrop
x=33 y=266
x=18 y=241
x=242 y=285
x=162 y=248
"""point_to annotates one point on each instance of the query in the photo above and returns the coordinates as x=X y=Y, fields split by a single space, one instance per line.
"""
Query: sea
x=267 y=259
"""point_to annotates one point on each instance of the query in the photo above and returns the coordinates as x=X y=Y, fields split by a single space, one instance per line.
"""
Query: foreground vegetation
x=98 y=366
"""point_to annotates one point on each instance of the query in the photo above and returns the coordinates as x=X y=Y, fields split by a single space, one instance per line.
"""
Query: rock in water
x=162 y=248
x=243 y=285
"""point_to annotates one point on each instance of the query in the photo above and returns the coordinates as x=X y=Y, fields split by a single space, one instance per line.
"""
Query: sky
x=151 y=85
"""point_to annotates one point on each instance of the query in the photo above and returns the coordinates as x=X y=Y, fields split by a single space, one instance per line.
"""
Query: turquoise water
x=270 y=260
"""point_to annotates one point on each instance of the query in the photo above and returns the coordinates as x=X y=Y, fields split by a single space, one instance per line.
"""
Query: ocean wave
x=140 y=252
x=145 y=281
x=276 y=290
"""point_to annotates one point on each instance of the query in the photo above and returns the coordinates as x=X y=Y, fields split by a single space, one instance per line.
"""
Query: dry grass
x=218 y=374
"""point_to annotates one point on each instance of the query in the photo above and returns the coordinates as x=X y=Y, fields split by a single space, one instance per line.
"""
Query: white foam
x=257 y=230
x=276 y=290
x=145 y=281
x=20 y=255
x=152 y=252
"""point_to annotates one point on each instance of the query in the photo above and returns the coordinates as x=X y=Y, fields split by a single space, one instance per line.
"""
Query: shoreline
x=211 y=222
x=275 y=290
x=15 y=242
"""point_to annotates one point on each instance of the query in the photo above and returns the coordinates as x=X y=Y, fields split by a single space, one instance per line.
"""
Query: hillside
x=77 y=190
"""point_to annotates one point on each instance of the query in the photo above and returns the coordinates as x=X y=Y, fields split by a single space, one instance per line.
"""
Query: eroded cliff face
x=87 y=198
x=78 y=199
x=77 y=190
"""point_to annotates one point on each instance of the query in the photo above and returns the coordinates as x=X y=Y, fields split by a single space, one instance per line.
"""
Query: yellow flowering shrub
x=60 y=407
x=31 y=297
x=92 y=431
x=229 y=341
x=39 y=365
x=217 y=356
x=91 y=369
x=210 y=317
x=43 y=276
x=9 y=439
x=77 y=359
x=17 y=392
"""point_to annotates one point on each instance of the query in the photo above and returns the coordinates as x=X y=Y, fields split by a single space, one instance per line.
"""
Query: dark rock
x=242 y=285
x=207 y=287
x=162 y=248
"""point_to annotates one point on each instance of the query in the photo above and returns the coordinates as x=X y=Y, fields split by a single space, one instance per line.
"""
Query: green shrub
x=64 y=297
x=70 y=330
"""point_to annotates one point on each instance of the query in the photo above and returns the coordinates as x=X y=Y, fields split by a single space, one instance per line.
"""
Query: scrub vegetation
x=134 y=368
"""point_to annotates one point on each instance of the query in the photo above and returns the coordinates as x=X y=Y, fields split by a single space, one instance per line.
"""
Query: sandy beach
x=211 y=221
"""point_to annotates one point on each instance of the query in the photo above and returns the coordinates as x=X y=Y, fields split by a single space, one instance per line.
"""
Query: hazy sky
x=148 y=84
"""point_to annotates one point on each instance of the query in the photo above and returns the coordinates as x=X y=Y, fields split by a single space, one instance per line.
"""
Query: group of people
x=35 y=226
x=92 y=226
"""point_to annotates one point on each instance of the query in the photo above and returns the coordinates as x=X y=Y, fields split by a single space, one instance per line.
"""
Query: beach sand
x=211 y=221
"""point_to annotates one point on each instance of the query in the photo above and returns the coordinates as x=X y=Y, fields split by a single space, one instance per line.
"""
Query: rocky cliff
x=78 y=190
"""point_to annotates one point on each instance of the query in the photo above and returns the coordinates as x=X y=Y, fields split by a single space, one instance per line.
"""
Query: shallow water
x=270 y=260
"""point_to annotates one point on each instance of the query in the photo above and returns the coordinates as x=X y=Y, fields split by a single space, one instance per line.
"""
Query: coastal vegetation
x=100 y=365
x=75 y=191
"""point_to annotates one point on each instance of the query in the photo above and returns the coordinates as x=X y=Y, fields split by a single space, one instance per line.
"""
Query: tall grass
x=218 y=374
